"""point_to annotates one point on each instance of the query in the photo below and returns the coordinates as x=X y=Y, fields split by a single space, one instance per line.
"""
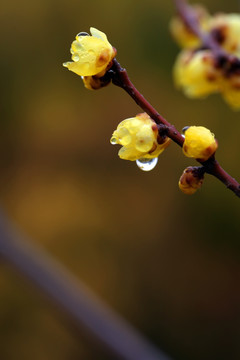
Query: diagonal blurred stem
x=80 y=305
x=188 y=15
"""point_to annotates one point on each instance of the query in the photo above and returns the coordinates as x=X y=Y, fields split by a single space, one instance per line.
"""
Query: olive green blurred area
x=167 y=262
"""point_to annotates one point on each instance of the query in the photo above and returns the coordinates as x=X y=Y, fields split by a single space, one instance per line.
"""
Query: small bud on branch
x=191 y=180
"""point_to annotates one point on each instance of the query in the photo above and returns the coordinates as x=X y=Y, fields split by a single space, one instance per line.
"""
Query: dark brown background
x=167 y=262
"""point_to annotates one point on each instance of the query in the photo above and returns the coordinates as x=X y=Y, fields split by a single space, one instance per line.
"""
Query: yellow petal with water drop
x=139 y=138
x=91 y=55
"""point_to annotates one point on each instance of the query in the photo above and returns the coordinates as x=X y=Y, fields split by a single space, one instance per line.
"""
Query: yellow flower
x=183 y=35
x=190 y=181
x=196 y=74
x=139 y=138
x=199 y=143
x=231 y=91
x=91 y=55
x=225 y=29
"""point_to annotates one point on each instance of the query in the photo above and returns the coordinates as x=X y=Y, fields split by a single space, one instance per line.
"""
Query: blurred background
x=167 y=262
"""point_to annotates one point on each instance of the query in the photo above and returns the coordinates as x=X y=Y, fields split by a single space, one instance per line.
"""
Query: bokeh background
x=166 y=262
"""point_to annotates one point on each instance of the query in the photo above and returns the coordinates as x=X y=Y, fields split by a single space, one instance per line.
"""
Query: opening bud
x=139 y=138
x=92 y=55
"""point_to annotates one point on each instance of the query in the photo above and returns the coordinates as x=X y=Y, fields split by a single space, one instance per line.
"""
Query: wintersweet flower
x=199 y=143
x=225 y=28
x=91 y=54
x=231 y=91
x=139 y=138
x=190 y=181
x=196 y=74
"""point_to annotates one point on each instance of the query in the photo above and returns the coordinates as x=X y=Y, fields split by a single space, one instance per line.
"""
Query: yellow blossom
x=181 y=32
x=196 y=73
x=190 y=181
x=199 y=143
x=231 y=91
x=139 y=138
x=225 y=28
x=91 y=55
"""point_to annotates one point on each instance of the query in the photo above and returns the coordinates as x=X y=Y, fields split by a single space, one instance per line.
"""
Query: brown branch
x=211 y=166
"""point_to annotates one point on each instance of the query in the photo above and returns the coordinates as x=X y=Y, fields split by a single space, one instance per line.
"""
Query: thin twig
x=68 y=293
x=211 y=166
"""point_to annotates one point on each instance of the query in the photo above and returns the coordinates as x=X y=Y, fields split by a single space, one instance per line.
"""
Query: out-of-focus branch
x=78 y=303
x=188 y=15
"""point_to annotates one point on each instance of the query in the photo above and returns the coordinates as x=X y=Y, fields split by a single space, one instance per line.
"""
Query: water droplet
x=124 y=136
x=185 y=128
x=76 y=46
x=113 y=141
x=66 y=64
x=147 y=164
x=75 y=57
x=83 y=33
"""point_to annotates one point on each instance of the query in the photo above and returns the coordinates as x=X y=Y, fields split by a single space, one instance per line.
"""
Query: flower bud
x=139 y=138
x=191 y=180
x=195 y=73
x=199 y=143
x=95 y=82
x=91 y=55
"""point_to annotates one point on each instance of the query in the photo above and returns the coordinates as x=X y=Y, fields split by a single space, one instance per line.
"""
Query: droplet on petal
x=113 y=141
x=76 y=46
x=124 y=136
x=185 y=128
x=91 y=55
x=147 y=164
x=83 y=33
x=75 y=57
